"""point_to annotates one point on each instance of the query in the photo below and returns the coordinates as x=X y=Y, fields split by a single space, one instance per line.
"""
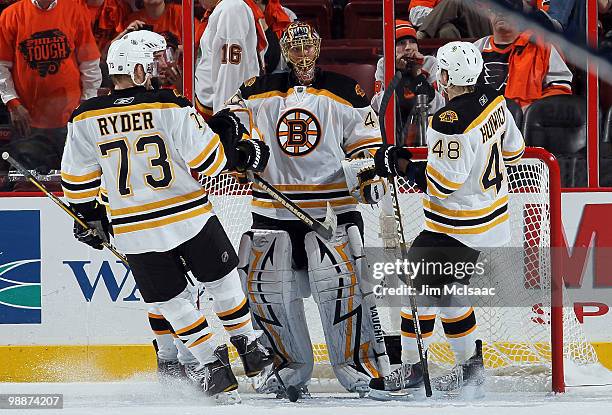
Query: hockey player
x=144 y=142
x=312 y=120
x=232 y=49
x=471 y=141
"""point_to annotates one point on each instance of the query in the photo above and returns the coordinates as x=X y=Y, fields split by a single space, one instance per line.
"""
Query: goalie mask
x=301 y=45
x=140 y=47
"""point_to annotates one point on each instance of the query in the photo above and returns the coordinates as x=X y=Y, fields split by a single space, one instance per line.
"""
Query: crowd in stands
x=52 y=53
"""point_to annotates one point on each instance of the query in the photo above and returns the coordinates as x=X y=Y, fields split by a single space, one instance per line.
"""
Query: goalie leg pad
x=355 y=341
x=276 y=305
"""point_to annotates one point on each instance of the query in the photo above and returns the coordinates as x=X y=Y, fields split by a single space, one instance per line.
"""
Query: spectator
x=520 y=66
x=49 y=63
x=570 y=18
x=419 y=77
x=106 y=18
x=159 y=17
x=448 y=19
x=170 y=67
x=232 y=50
x=278 y=17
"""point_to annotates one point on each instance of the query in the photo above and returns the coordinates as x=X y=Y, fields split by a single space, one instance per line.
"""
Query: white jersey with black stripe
x=310 y=130
x=470 y=142
x=143 y=143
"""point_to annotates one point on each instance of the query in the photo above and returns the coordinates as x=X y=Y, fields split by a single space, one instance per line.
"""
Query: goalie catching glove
x=95 y=215
x=242 y=155
x=362 y=182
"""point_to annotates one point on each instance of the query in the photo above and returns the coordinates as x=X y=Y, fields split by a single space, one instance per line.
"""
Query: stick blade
x=331 y=221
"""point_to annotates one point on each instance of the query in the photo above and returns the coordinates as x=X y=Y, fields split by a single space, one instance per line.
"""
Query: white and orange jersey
x=470 y=142
x=143 y=143
x=228 y=54
x=310 y=130
x=538 y=70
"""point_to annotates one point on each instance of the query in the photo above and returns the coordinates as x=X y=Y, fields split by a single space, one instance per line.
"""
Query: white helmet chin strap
x=441 y=87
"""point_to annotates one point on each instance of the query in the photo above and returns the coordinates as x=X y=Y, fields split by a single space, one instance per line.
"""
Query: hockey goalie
x=313 y=121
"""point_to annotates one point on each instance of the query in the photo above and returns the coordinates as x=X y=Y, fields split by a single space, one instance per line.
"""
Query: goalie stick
x=325 y=229
x=66 y=208
x=402 y=239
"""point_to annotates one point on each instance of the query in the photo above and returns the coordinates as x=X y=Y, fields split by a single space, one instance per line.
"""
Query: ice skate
x=254 y=355
x=465 y=380
x=216 y=379
x=403 y=382
x=169 y=371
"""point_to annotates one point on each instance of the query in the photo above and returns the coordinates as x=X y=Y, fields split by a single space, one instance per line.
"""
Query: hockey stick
x=66 y=208
x=402 y=239
x=325 y=229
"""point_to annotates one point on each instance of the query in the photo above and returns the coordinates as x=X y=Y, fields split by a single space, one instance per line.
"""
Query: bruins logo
x=359 y=91
x=449 y=116
x=250 y=81
x=298 y=132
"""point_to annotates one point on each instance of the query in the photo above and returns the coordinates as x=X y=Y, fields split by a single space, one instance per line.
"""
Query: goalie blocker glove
x=95 y=215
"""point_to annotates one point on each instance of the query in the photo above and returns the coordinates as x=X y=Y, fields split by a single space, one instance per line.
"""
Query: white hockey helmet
x=138 y=47
x=462 y=61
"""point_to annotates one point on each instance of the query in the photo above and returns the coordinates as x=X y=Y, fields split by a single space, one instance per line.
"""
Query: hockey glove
x=388 y=160
x=228 y=127
x=419 y=86
x=95 y=215
x=253 y=155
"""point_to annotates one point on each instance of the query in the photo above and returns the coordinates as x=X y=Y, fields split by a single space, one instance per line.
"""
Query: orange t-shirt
x=46 y=48
x=106 y=20
x=169 y=21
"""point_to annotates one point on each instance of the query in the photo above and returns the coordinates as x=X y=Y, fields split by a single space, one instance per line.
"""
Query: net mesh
x=517 y=340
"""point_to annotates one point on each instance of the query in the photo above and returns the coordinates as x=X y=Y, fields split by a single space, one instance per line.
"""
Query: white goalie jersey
x=143 y=143
x=310 y=130
x=470 y=142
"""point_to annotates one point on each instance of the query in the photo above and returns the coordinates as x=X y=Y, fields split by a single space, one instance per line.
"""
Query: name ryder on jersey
x=147 y=154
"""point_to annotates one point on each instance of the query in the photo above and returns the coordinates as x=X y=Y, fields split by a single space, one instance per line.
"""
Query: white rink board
x=67 y=318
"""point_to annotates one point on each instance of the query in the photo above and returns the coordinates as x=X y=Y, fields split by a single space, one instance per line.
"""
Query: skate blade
x=228 y=398
x=401 y=395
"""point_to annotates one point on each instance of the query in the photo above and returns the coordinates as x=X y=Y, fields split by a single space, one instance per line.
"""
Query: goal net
x=531 y=341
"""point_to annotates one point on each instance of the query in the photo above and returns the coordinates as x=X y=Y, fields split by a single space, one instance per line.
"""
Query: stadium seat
x=343 y=51
x=516 y=111
x=559 y=124
x=362 y=73
x=363 y=19
x=317 y=13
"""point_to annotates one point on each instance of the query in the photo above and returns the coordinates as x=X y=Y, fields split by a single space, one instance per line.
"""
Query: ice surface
x=147 y=397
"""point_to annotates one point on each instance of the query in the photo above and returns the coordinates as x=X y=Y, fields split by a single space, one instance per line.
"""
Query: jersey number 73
x=141 y=146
